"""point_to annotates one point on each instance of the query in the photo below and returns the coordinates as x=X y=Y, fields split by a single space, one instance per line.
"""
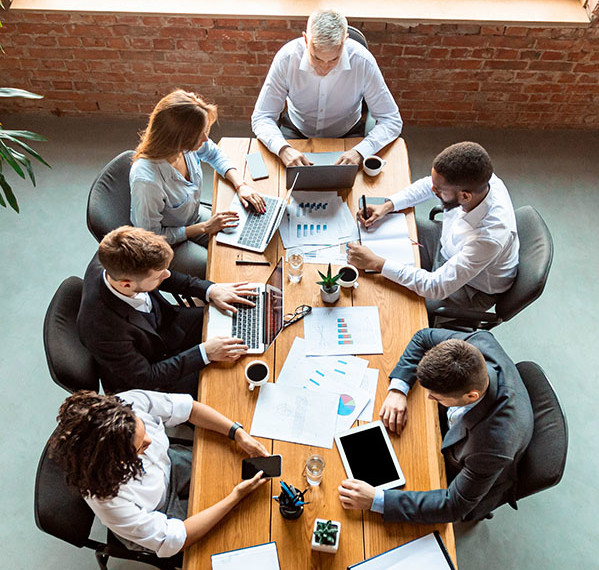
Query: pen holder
x=291 y=513
x=291 y=501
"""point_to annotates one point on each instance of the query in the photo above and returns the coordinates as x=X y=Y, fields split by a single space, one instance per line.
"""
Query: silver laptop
x=258 y=326
x=254 y=230
x=324 y=173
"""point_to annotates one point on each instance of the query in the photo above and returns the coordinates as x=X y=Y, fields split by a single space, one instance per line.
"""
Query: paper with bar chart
x=343 y=330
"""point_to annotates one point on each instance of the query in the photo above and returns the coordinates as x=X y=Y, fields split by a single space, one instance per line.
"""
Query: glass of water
x=314 y=469
x=295 y=259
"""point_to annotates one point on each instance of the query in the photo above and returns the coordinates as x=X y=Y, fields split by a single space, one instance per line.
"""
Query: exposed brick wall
x=441 y=74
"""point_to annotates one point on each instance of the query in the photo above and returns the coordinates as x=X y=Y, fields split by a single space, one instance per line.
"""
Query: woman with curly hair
x=166 y=179
x=115 y=451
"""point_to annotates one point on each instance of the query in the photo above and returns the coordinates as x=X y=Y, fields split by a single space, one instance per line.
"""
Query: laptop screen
x=274 y=304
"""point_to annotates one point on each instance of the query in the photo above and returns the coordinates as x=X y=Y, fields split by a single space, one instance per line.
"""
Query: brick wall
x=445 y=74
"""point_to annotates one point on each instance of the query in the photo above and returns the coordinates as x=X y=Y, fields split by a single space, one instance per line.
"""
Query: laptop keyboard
x=255 y=225
x=246 y=322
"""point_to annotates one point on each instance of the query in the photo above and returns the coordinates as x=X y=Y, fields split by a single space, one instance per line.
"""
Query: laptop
x=324 y=173
x=254 y=230
x=258 y=326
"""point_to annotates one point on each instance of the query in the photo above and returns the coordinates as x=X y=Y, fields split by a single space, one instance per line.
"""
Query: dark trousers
x=290 y=131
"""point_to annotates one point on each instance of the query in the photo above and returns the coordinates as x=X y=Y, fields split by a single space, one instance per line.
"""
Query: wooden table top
x=217 y=464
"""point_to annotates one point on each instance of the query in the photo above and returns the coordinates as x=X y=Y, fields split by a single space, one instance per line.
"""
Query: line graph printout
x=343 y=330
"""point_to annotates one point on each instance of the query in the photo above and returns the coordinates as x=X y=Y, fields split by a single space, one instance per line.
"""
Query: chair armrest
x=434 y=211
x=469 y=318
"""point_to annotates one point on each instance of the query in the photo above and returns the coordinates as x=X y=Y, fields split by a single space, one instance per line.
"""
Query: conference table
x=217 y=461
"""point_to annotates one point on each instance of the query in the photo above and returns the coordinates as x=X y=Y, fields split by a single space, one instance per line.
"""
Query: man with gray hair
x=324 y=77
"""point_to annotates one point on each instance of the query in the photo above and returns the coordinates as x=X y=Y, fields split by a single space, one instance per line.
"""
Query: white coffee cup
x=345 y=279
x=373 y=165
x=257 y=373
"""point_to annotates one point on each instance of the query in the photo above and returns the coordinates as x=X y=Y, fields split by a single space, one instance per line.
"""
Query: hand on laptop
x=375 y=213
x=222 y=295
x=247 y=195
x=215 y=223
x=224 y=348
x=291 y=157
x=355 y=494
x=394 y=411
x=364 y=258
x=350 y=156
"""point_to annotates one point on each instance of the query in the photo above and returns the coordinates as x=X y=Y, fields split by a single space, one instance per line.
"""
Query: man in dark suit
x=490 y=424
x=137 y=337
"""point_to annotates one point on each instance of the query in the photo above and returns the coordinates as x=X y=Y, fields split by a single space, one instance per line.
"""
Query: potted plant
x=325 y=537
x=329 y=288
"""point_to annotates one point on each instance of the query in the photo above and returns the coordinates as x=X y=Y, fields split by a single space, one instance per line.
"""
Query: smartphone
x=271 y=466
x=256 y=165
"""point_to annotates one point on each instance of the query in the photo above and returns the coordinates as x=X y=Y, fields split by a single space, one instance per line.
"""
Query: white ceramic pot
x=330 y=548
x=330 y=297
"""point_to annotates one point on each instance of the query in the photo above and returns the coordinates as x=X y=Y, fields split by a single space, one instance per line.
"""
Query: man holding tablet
x=489 y=419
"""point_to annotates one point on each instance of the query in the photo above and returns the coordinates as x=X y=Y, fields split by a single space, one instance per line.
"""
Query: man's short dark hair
x=453 y=368
x=132 y=252
x=95 y=443
x=465 y=164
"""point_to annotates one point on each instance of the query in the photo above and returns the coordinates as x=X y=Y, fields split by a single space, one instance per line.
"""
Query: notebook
x=254 y=230
x=258 y=326
x=324 y=173
x=263 y=556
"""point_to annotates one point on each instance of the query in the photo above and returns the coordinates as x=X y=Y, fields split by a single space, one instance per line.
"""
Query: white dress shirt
x=325 y=106
x=133 y=513
x=480 y=247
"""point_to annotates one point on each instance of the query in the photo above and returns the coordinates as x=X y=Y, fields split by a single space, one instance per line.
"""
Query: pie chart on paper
x=346 y=405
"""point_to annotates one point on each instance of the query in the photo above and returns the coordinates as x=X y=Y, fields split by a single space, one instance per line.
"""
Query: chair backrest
x=71 y=365
x=536 y=256
x=543 y=462
x=357 y=35
x=59 y=510
x=109 y=202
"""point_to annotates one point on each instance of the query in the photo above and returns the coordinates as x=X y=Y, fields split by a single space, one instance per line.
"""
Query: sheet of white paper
x=289 y=413
x=333 y=254
x=263 y=556
x=420 y=553
x=313 y=218
x=343 y=330
x=369 y=384
x=390 y=239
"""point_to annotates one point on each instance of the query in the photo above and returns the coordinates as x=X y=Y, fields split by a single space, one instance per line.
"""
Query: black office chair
x=358 y=36
x=536 y=256
x=543 y=463
x=109 y=201
x=61 y=512
x=71 y=365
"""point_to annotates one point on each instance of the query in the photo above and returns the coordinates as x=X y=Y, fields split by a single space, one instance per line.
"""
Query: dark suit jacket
x=130 y=352
x=482 y=448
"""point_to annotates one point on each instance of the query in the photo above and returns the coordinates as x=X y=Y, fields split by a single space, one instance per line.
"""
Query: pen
x=364 y=211
x=250 y=262
x=414 y=242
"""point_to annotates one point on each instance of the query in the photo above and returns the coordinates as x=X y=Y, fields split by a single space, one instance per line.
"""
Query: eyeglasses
x=299 y=313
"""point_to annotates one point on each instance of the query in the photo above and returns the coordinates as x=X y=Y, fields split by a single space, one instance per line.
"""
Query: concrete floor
x=556 y=172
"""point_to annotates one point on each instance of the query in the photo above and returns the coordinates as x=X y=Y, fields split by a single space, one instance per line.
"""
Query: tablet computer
x=367 y=454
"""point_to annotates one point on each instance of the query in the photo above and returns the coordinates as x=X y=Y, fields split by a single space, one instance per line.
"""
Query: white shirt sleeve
x=270 y=105
x=211 y=153
x=173 y=409
x=415 y=193
x=453 y=274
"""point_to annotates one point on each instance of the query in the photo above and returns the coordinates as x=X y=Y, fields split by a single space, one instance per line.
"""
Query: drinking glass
x=296 y=264
x=314 y=469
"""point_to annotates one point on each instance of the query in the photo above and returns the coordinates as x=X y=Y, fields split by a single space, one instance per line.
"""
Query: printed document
x=390 y=239
x=263 y=556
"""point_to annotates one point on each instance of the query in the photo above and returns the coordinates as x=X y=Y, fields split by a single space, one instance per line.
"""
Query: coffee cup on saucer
x=257 y=373
x=373 y=165
x=348 y=276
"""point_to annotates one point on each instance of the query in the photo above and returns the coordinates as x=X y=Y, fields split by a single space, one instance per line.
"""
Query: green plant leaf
x=25 y=162
x=24 y=146
x=6 y=154
x=10 y=197
x=24 y=135
x=2 y=182
x=12 y=92
x=322 y=275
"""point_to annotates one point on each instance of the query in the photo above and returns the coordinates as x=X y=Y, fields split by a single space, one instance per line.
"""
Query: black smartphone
x=271 y=466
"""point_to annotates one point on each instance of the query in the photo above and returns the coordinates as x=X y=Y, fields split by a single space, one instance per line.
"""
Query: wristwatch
x=233 y=429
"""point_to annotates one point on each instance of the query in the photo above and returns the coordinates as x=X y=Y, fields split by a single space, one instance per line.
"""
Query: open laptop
x=258 y=326
x=324 y=173
x=254 y=230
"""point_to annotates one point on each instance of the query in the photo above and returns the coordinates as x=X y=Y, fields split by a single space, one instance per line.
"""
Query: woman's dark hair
x=465 y=164
x=94 y=443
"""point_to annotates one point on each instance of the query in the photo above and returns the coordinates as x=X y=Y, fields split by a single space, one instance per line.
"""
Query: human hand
x=394 y=411
x=291 y=157
x=217 y=222
x=375 y=213
x=355 y=494
x=247 y=195
x=363 y=258
x=350 y=156
x=250 y=445
x=243 y=489
x=225 y=293
x=224 y=348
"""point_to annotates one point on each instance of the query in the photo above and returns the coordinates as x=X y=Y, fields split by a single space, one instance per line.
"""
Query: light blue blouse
x=162 y=200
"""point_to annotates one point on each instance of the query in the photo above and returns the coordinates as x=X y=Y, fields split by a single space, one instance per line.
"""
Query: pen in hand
x=364 y=210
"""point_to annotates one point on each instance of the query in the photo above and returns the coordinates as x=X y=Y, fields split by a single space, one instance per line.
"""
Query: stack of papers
x=263 y=556
x=390 y=239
